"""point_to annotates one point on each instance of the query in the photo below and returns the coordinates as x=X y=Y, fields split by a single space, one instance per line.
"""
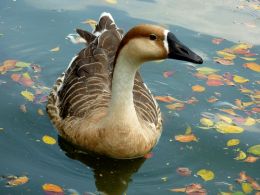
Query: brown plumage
x=101 y=103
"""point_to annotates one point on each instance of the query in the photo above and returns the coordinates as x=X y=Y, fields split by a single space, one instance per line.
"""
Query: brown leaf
x=176 y=106
x=183 y=171
x=251 y=159
x=167 y=99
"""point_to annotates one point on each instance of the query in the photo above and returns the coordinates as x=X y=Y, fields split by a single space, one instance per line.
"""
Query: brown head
x=150 y=42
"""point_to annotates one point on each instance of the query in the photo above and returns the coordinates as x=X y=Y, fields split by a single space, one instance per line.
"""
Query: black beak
x=179 y=51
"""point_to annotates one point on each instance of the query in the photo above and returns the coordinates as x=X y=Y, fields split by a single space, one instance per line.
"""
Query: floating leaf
x=56 y=49
x=111 y=1
x=191 y=189
x=167 y=74
x=186 y=138
x=217 y=41
x=206 y=174
x=212 y=99
x=53 y=189
x=91 y=22
x=28 y=95
x=167 y=99
x=226 y=55
x=247 y=188
x=7 y=65
x=248 y=59
x=188 y=130
x=225 y=118
x=16 y=181
x=206 y=70
x=48 y=140
x=241 y=46
x=254 y=150
x=206 y=122
x=22 y=64
x=251 y=159
x=198 y=88
x=227 y=128
x=213 y=82
x=40 y=112
x=176 y=106
x=250 y=121
x=16 y=77
x=224 y=61
x=241 y=155
x=240 y=79
x=253 y=66
x=23 y=108
x=183 y=171
x=233 y=142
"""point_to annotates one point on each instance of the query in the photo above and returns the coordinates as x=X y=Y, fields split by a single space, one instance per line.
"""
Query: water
x=29 y=29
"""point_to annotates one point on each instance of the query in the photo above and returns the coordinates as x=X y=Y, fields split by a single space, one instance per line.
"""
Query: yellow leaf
x=249 y=121
x=206 y=174
x=56 y=49
x=206 y=122
x=247 y=188
x=253 y=66
x=198 y=88
x=26 y=75
x=18 y=181
x=188 y=130
x=28 y=95
x=48 y=140
x=248 y=59
x=176 y=106
x=240 y=79
x=111 y=1
x=206 y=70
x=227 y=128
x=241 y=46
x=224 y=118
x=226 y=55
x=40 y=112
x=52 y=188
x=233 y=142
x=91 y=22
x=241 y=155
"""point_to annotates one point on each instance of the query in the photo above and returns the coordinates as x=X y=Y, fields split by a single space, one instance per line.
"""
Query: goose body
x=100 y=103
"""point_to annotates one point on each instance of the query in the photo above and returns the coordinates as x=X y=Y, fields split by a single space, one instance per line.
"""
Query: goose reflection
x=111 y=175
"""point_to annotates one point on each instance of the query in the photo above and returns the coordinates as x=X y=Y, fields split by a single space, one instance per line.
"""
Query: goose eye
x=153 y=37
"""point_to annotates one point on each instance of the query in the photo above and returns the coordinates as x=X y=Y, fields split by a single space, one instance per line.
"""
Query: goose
x=100 y=103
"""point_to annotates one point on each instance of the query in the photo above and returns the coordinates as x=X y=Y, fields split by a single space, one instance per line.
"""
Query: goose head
x=150 y=42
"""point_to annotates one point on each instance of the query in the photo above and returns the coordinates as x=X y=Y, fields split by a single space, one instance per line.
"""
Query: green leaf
x=22 y=64
x=206 y=70
x=254 y=150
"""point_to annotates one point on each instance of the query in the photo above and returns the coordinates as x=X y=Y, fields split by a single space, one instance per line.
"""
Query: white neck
x=121 y=108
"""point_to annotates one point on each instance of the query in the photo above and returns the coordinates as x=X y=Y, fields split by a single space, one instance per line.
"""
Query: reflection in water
x=111 y=175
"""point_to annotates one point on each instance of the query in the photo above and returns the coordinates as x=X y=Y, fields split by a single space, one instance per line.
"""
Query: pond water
x=30 y=29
